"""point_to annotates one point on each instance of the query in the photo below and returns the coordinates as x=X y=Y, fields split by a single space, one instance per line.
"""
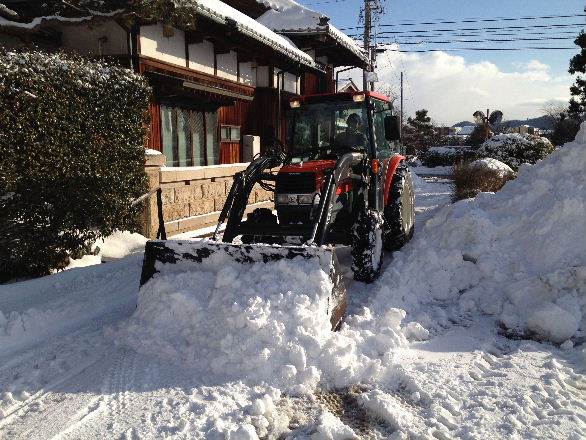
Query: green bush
x=515 y=149
x=445 y=156
x=71 y=156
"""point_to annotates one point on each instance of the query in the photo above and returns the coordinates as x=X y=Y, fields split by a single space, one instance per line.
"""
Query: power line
x=488 y=49
x=484 y=40
x=480 y=20
x=480 y=34
x=494 y=28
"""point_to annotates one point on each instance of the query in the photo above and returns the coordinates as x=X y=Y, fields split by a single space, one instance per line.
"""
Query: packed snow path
x=63 y=376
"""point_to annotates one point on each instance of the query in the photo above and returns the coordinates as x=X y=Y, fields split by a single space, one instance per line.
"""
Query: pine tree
x=419 y=132
x=421 y=123
x=577 y=107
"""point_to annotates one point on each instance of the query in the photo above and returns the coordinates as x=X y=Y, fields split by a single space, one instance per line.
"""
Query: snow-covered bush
x=445 y=156
x=482 y=175
x=71 y=156
x=515 y=149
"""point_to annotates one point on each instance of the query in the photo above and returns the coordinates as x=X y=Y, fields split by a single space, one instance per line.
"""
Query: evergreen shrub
x=515 y=149
x=71 y=156
x=445 y=156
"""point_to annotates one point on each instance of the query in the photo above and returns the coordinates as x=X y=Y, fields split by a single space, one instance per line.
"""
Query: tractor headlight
x=305 y=199
x=282 y=199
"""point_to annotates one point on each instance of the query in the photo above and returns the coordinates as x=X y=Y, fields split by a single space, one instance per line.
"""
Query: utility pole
x=372 y=63
x=367 y=29
x=401 y=100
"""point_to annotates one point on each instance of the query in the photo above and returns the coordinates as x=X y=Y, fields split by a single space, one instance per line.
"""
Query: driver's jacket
x=347 y=140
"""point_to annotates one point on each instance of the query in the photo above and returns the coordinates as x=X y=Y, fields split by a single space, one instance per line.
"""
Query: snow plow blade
x=168 y=257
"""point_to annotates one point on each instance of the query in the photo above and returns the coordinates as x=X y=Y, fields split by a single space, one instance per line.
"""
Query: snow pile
x=120 y=244
x=332 y=428
x=114 y=247
x=151 y=152
x=260 y=323
x=519 y=254
x=500 y=168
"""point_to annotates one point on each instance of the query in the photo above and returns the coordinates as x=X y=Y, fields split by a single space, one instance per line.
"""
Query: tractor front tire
x=367 y=246
x=400 y=210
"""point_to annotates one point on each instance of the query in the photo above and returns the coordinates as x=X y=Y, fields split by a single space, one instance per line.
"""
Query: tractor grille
x=295 y=183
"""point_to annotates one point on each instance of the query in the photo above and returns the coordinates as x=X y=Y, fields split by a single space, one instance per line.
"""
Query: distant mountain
x=542 y=122
x=463 y=124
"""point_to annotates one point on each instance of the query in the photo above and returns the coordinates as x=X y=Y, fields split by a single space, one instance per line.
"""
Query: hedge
x=72 y=136
x=515 y=149
x=445 y=156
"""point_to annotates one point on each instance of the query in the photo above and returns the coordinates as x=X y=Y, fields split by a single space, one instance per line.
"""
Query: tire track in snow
x=14 y=411
x=49 y=407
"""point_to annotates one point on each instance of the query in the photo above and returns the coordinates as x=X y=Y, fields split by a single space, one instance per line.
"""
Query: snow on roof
x=290 y=16
x=213 y=9
x=223 y=13
x=37 y=21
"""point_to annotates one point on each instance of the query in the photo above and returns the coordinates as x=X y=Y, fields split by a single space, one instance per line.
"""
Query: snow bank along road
x=444 y=345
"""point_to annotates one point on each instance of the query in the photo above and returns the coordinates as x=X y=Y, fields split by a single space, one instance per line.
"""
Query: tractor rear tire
x=367 y=246
x=400 y=210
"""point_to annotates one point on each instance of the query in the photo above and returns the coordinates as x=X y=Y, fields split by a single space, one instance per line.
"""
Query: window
x=381 y=110
x=212 y=144
x=328 y=129
x=189 y=137
x=230 y=133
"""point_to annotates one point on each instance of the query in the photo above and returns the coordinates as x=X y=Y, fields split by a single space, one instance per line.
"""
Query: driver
x=352 y=136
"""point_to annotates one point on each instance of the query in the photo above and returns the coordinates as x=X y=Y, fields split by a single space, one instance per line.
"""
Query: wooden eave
x=172 y=80
x=325 y=45
x=228 y=37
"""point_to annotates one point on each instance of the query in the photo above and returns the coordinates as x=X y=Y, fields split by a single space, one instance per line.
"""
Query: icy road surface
x=63 y=374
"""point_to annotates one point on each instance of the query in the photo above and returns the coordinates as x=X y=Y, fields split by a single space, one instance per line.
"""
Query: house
x=348 y=86
x=465 y=131
x=524 y=129
x=221 y=72
x=312 y=32
x=446 y=131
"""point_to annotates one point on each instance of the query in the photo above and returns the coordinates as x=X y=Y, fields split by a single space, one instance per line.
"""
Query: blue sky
x=538 y=76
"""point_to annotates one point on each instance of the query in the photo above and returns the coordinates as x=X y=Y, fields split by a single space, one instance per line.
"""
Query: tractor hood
x=313 y=166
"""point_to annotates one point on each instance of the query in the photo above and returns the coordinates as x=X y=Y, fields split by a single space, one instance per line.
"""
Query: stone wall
x=193 y=196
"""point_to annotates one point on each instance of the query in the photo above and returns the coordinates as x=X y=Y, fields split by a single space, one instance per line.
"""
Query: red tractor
x=343 y=180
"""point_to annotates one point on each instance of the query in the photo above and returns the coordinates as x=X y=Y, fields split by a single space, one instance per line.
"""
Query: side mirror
x=392 y=128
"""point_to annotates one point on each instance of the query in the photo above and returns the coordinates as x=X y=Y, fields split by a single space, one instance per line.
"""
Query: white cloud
x=452 y=89
x=532 y=66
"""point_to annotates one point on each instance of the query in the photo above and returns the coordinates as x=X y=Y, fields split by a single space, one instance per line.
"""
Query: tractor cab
x=327 y=126
x=320 y=130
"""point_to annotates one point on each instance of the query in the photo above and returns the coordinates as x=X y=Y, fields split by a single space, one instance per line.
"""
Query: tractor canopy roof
x=339 y=96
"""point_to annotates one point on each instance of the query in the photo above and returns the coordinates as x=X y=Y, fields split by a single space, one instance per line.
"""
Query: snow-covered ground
x=438 y=347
